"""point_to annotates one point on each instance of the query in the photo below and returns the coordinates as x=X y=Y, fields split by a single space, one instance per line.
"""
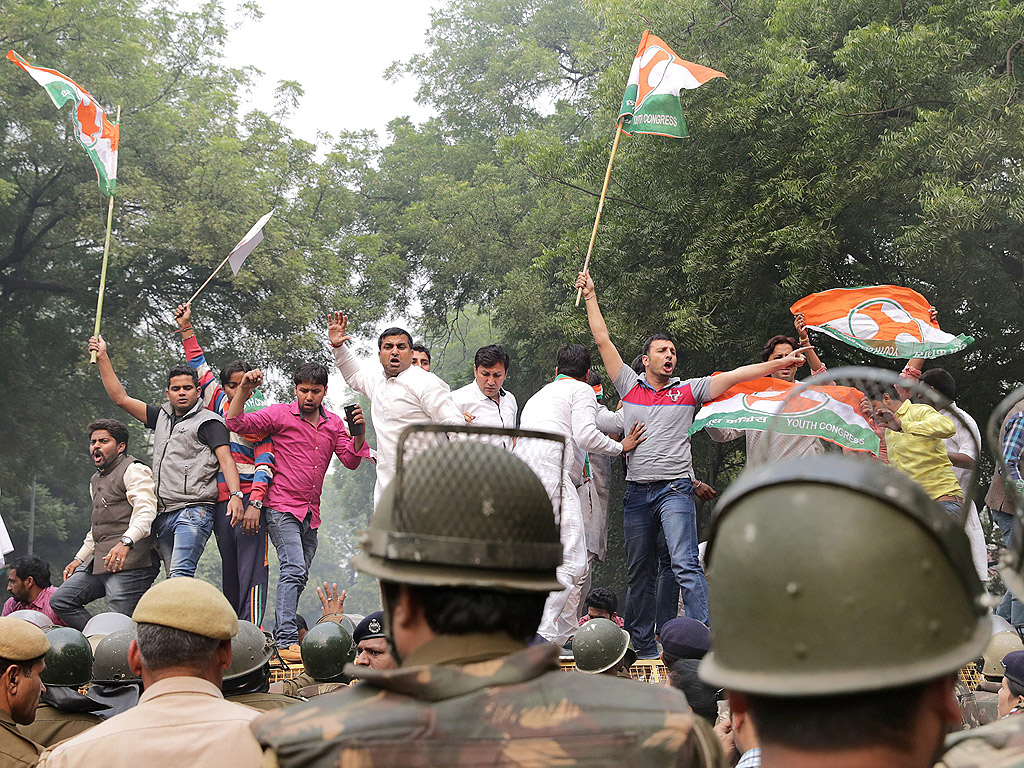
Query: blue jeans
x=182 y=536
x=122 y=590
x=668 y=589
x=1010 y=608
x=295 y=543
x=649 y=507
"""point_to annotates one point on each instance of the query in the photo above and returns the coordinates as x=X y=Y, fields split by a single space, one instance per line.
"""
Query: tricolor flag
x=886 y=320
x=829 y=412
x=248 y=243
x=97 y=135
x=651 y=103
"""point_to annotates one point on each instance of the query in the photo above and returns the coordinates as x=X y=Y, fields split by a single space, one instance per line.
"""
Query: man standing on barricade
x=469 y=690
x=484 y=401
x=660 y=483
x=400 y=393
x=189 y=446
x=306 y=435
x=116 y=559
x=243 y=546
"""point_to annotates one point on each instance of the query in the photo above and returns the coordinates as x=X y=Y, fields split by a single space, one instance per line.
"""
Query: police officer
x=326 y=649
x=247 y=678
x=465 y=547
x=63 y=712
x=850 y=649
x=181 y=649
x=23 y=647
x=599 y=646
x=371 y=644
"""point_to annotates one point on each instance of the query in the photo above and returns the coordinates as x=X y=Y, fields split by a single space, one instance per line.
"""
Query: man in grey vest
x=116 y=560
x=190 y=444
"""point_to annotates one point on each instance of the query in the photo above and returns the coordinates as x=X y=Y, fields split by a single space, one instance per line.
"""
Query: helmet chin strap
x=387 y=609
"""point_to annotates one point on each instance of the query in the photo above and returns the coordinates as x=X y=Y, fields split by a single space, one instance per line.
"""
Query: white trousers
x=561 y=609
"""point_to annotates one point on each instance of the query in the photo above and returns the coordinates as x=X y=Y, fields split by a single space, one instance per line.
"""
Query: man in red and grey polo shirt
x=659 y=472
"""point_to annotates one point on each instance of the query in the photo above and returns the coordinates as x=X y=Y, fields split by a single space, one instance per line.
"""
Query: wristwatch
x=127 y=541
x=237 y=494
x=256 y=503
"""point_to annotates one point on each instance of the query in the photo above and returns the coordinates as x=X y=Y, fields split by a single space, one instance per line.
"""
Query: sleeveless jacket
x=111 y=513
x=185 y=470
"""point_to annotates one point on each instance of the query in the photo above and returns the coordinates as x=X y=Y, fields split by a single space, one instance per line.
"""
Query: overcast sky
x=338 y=52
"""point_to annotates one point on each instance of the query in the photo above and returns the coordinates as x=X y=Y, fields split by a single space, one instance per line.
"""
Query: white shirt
x=567 y=407
x=486 y=412
x=141 y=492
x=966 y=441
x=414 y=396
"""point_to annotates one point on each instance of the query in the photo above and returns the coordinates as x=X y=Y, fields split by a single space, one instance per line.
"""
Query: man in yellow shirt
x=914 y=438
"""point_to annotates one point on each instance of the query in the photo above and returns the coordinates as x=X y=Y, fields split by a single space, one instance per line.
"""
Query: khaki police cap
x=190 y=605
x=21 y=640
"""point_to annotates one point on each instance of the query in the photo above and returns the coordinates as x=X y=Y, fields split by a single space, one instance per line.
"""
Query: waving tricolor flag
x=651 y=103
x=829 y=412
x=886 y=320
x=97 y=135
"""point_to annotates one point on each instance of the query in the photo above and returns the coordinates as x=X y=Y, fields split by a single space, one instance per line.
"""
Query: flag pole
x=209 y=278
x=103 y=269
x=600 y=204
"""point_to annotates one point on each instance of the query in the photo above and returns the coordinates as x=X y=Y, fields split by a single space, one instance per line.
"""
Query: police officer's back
x=465 y=547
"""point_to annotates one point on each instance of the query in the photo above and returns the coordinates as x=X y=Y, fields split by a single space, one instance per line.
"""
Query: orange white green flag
x=651 y=102
x=830 y=412
x=97 y=135
x=886 y=320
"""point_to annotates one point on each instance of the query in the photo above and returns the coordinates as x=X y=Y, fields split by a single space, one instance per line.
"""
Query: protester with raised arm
x=660 y=482
x=190 y=445
x=400 y=393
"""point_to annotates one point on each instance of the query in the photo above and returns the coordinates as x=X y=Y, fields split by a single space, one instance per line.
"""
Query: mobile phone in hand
x=353 y=428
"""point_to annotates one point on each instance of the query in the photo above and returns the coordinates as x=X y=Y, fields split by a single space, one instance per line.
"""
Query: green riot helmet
x=251 y=650
x=461 y=512
x=32 y=616
x=1000 y=644
x=326 y=649
x=599 y=645
x=69 y=660
x=110 y=660
x=830 y=575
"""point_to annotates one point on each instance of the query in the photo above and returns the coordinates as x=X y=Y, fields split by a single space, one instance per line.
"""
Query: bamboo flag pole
x=600 y=204
x=209 y=279
x=103 y=269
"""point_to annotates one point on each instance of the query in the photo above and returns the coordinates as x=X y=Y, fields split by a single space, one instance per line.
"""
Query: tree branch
x=896 y=109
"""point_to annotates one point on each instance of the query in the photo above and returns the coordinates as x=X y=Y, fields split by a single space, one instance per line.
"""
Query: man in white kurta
x=484 y=401
x=568 y=407
x=400 y=393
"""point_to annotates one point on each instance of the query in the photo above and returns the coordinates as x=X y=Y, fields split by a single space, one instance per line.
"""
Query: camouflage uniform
x=485 y=700
x=467 y=514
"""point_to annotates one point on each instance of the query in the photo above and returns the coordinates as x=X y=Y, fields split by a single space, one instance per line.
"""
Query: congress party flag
x=651 y=103
x=97 y=135
x=248 y=243
x=886 y=320
x=829 y=412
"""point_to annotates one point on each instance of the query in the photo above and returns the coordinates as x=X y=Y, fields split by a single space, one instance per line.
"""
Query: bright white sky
x=338 y=52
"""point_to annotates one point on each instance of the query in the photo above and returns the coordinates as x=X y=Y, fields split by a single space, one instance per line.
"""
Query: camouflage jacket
x=996 y=745
x=452 y=705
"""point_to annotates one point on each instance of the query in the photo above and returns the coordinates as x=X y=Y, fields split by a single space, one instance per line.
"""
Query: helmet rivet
x=934 y=626
x=800 y=651
x=926 y=565
x=792 y=589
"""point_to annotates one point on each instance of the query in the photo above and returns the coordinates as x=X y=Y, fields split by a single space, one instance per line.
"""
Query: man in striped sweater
x=243 y=548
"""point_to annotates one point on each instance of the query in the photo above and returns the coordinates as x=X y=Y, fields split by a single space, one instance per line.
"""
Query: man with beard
x=305 y=436
x=116 y=560
x=190 y=445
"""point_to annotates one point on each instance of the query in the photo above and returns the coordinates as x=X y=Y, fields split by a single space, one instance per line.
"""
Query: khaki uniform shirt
x=265 y=702
x=53 y=725
x=486 y=700
x=16 y=751
x=179 y=721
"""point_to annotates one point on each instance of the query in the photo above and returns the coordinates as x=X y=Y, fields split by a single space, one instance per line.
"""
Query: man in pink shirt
x=305 y=435
x=28 y=582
